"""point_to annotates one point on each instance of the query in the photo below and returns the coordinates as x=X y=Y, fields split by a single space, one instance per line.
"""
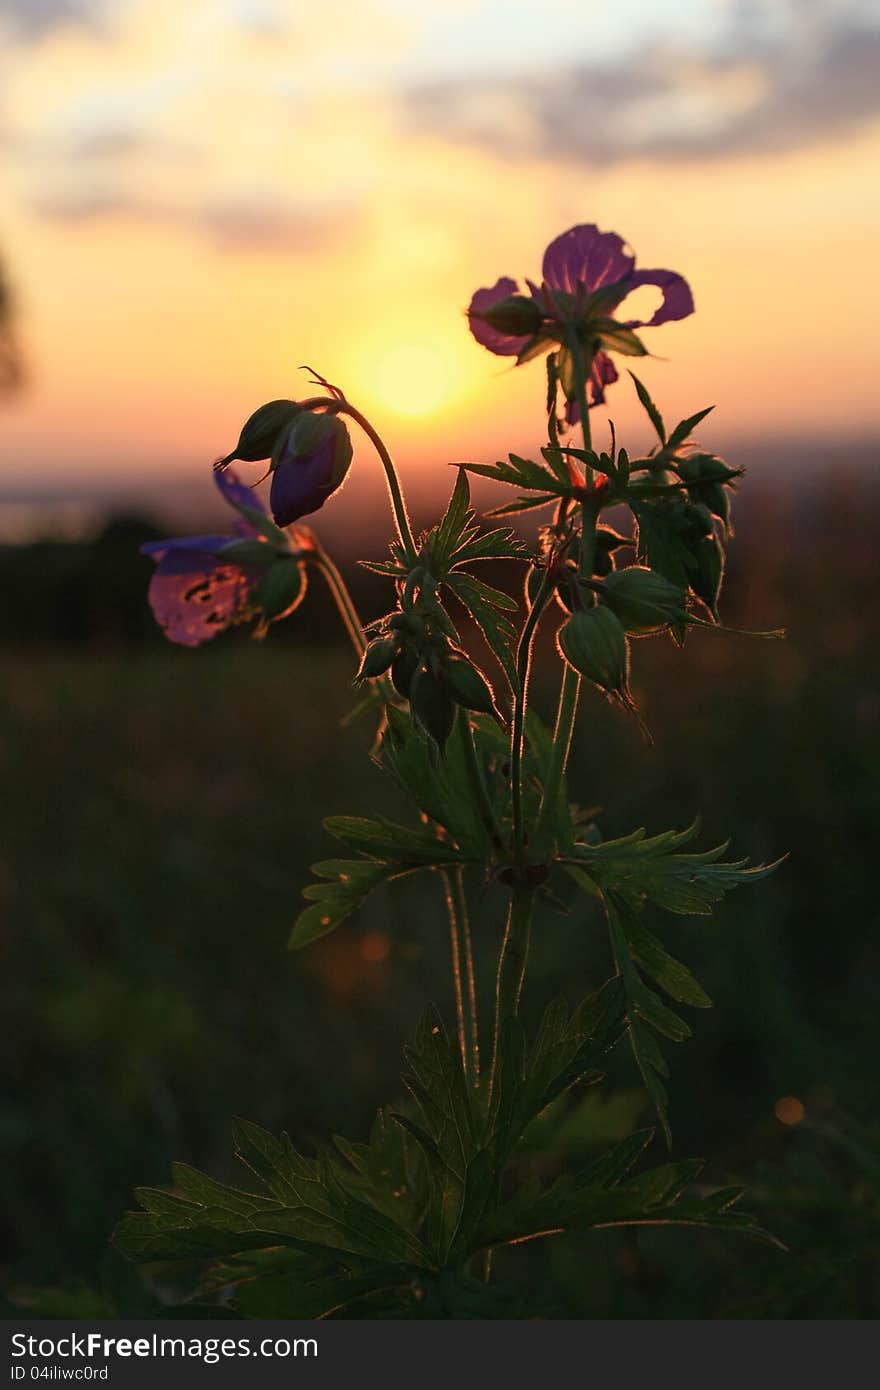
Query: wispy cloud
x=31 y=19
x=246 y=222
x=810 y=76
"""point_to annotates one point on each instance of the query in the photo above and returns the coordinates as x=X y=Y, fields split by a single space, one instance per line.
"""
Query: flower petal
x=194 y=596
x=678 y=302
x=503 y=344
x=239 y=496
x=302 y=485
x=197 y=545
x=584 y=255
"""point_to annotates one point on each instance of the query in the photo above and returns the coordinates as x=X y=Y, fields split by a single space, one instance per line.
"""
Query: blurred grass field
x=160 y=811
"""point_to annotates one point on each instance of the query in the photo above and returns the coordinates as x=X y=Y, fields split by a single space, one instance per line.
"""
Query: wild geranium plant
x=405 y=1223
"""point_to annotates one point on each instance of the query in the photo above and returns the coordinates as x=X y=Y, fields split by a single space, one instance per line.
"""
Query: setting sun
x=410 y=378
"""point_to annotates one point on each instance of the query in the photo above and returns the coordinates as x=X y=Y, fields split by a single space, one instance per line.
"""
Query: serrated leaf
x=454 y=521
x=651 y=957
x=497 y=630
x=399 y=843
x=331 y=903
x=650 y=408
x=685 y=428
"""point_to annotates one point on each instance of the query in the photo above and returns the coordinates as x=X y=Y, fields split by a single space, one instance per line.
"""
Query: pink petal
x=238 y=495
x=194 y=597
x=584 y=255
x=678 y=302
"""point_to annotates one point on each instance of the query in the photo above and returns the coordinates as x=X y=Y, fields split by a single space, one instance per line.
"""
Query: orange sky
x=201 y=198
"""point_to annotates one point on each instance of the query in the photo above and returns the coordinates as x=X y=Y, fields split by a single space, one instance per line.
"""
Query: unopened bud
x=467 y=685
x=705 y=578
x=514 y=314
x=594 y=643
x=432 y=705
x=644 y=601
x=378 y=657
x=403 y=668
x=261 y=431
x=309 y=461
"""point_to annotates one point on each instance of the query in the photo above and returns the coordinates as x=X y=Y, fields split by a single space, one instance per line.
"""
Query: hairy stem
x=571 y=681
x=478 y=780
x=343 y=600
x=523 y=668
x=511 y=966
x=398 y=505
x=464 y=978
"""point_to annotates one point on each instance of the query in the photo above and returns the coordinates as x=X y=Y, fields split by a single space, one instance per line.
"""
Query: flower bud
x=594 y=643
x=644 y=601
x=467 y=685
x=309 y=462
x=403 y=668
x=378 y=657
x=261 y=431
x=705 y=578
x=705 y=477
x=432 y=705
x=515 y=314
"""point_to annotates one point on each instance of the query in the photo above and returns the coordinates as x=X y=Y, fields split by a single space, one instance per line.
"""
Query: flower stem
x=523 y=669
x=571 y=681
x=478 y=781
x=343 y=600
x=463 y=973
x=398 y=505
x=511 y=966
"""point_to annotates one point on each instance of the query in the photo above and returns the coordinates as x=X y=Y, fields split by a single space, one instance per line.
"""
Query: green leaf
x=497 y=630
x=308 y=1207
x=454 y=522
x=383 y=838
x=654 y=960
x=566 y=1050
x=524 y=504
x=656 y=1198
x=650 y=408
x=351 y=883
x=685 y=428
x=652 y=868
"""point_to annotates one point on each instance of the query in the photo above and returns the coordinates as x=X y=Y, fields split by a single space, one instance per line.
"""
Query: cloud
x=31 y=19
x=247 y=222
x=764 y=89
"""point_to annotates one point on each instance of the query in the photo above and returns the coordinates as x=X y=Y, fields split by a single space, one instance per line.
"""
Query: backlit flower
x=204 y=584
x=586 y=276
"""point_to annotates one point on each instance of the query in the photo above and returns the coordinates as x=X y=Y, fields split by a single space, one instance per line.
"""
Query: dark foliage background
x=160 y=810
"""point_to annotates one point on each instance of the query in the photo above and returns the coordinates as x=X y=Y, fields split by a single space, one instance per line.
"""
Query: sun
x=411 y=379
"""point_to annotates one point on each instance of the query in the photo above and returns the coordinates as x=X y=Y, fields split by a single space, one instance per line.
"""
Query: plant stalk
x=478 y=781
x=343 y=600
x=398 y=505
x=463 y=973
x=511 y=966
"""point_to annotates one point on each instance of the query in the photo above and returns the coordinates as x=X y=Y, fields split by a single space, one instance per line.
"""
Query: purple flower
x=309 y=463
x=204 y=584
x=586 y=276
